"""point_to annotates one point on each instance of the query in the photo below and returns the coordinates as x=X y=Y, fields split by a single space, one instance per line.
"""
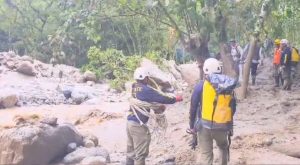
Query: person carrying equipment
x=214 y=104
x=144 y=98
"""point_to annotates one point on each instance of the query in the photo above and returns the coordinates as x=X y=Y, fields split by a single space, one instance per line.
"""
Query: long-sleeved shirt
x=286 y=57
x=196 y=101
x=146 y=93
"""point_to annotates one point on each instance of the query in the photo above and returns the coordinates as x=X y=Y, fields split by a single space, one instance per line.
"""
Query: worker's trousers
x=138 y=142
x=205 y=139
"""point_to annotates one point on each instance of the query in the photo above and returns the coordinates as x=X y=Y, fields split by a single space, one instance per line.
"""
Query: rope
x=157 y=123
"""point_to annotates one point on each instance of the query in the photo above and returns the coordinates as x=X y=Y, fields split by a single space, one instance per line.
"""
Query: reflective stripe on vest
x=216 y=111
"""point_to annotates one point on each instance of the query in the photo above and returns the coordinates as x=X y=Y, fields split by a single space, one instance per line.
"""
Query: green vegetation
x=73 y=31
x=112 y=64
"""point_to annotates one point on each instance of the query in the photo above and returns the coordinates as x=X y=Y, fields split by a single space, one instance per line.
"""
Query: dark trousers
x=253 y=72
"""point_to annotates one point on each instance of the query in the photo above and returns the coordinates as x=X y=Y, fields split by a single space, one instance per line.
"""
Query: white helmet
x=140 y=73
x=284 y=41
x=212 y=65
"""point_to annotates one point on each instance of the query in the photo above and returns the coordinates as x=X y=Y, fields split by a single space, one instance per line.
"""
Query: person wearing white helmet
x=286 y=64
x=138 y=135
x=212 y=108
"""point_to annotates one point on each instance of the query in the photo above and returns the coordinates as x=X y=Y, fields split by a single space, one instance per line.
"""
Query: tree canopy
x=65 y=30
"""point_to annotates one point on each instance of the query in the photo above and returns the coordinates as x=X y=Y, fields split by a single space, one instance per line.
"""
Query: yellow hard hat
x=277 y=42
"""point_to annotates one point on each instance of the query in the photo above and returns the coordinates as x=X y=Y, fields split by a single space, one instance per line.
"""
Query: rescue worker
x=236 y=52
x=295 y=61
x=256 y=60
x=276 y=62
x=138 y=135
x=214 y=108
x=285 y=64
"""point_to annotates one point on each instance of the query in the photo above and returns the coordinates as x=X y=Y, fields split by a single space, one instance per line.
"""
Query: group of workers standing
x=286 y=59
x=213 y=103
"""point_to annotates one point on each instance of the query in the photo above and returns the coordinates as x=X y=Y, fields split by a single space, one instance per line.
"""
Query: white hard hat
x=212 y=65
x=284 y=41
x=140 y=73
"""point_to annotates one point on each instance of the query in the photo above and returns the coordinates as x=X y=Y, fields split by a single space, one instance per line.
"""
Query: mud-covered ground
x=266 y=125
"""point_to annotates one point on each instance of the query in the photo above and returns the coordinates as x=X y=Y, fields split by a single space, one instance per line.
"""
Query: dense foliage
x=73 y=31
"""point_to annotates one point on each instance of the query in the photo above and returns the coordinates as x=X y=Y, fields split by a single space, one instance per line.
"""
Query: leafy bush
x=113 y=65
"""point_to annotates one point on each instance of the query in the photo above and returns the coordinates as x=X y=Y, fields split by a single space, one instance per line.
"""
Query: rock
x=292 y=150
x=50 y=121
x=79 y=78
x=88 y=143
x=11 y=54
x=80 y=153
x=67 y=93
x=33 y=145
x=79 y=95
x=161 y=78
x=8 y=98
x=71 y=147
x=10 y=64
x=190 y=73
x=26 y=58
x=285 y=103
x=93 y=138
x=26 y=68
x=170 y=158
x=89 y=76
x=93 y=101
x=173 y=68
x=90 y=83
x=94 y=160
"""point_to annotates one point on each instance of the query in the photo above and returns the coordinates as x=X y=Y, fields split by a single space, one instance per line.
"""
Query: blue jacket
x=196 y=102
x=148 y=94
x=286 y=57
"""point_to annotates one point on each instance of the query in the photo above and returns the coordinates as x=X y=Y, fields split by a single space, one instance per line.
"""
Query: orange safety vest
x=277 y=56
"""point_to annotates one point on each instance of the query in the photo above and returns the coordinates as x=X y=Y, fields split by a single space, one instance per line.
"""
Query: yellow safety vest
x=216 y=108
x=295 y=56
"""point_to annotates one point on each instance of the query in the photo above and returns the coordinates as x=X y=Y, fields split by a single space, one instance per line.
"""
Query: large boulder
x=10 y=64
x=35 y=145
x=190 y=73
x=81 y=153
x=26 y=68
x=79 y=95
x=89 y=76
x=8 y=98
x=161 y=78
x=173 y=68
x=26 y=58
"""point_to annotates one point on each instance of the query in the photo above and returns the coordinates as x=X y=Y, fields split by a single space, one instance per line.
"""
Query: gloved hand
x=194 y=142
x=178 y=98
